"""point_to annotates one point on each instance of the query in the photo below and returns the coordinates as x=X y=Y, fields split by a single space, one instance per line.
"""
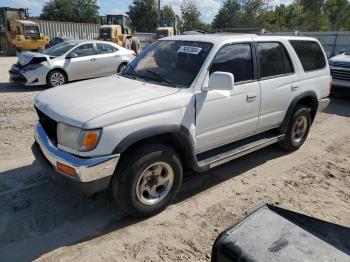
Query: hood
x=343 y=58
x=25 y=58
x=77 y=103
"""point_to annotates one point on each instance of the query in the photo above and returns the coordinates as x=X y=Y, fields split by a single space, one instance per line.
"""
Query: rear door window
x=271 y=59
x=105 y=49
x=236 y=59
x=274 y=60
x=84 y=50
x=310 y=54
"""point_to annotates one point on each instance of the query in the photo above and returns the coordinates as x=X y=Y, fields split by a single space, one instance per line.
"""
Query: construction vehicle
x=116 y=29
x=168 y=27
x=17 y=33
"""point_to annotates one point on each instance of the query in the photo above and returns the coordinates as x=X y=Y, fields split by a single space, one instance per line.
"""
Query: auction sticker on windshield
x=189 y=50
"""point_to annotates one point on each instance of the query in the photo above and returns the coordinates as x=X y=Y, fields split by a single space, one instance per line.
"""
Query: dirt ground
x=39 y=220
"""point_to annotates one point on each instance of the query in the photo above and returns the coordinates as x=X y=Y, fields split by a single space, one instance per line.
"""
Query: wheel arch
x=177 y=137
x=58 y=69
x=308 y=99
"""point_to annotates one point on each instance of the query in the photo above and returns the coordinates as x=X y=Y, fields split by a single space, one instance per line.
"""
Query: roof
x=218 y=38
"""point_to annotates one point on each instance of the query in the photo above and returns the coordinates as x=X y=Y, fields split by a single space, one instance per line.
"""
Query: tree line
x=301 y=15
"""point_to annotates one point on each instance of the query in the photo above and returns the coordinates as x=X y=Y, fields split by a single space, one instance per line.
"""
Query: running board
x=241 y=150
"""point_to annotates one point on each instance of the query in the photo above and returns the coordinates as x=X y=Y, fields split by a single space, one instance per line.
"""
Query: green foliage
x=301 y=15
x=337 y=13
x=82 y=11
x=144 y=15
x=167 y=11
x=190 y=16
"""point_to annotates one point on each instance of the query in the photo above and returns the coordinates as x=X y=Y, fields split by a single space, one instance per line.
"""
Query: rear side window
x=310 y=54
x=84 y=50
x=105 y=49
x=236 y=59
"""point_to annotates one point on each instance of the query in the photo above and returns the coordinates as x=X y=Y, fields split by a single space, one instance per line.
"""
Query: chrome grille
x=340 y=74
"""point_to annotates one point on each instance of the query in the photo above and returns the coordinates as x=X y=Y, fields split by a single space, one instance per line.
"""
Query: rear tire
x=298 y=129
x=56 y=78
x=147 y=180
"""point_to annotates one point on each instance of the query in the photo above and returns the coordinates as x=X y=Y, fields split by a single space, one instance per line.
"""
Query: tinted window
x=271 y=59
x=84 y=50
x=105 y=49
x=310 y=54
x=236 y=59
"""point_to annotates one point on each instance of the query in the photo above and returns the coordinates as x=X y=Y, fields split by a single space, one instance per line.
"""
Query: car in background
x=340 y=70
x=57 y=40
x=70 y=61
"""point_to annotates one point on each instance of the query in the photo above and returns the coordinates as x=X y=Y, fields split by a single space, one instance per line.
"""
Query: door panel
x=108 y=59
x=82 y=66
x=279 y=83
x=224 y=116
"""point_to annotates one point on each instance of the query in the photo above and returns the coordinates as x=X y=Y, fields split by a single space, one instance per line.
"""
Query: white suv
x=186 y=102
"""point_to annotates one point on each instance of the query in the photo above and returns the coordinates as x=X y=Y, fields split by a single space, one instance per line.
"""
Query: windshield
x=174 y=63
x=59 y=49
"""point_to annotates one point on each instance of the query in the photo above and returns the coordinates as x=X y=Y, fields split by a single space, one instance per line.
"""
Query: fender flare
x=145 y=133
x=182 y=133
x=284 y=126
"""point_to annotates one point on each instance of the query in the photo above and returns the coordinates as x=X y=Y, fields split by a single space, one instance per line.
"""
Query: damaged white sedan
x=70 y=61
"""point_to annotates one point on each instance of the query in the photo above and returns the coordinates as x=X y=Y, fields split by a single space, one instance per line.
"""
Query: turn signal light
x=89 y=139
x=66 y=169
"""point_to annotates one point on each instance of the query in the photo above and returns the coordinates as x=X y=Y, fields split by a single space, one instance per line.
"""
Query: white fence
x=332 y=42
x=68 y=29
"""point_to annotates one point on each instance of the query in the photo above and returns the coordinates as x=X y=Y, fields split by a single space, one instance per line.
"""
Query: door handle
x=116 y=56
x=93 y=59
x=295 y=88
x=251 y=97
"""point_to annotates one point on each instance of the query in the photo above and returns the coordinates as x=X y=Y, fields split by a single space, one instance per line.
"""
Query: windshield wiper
x=161 y=78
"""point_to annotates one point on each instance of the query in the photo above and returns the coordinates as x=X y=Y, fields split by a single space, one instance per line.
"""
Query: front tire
x=147 y=180
x=298 y=129
x=56 y=78
x=121 y=68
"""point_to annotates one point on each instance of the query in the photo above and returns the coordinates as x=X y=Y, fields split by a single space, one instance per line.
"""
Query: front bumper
x=28 y=78
x=323 y=103
x=93 y=174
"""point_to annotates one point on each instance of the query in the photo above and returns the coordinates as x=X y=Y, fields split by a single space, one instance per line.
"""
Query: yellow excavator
x=17 y=33
x=168 y=27
x=116 y=29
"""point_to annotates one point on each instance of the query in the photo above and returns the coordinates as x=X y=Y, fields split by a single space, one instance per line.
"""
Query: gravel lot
x=39 y=220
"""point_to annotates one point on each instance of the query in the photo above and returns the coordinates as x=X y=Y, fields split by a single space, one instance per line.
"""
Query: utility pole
x=158 y=13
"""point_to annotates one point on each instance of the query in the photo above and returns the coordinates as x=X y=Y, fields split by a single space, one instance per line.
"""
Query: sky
x=208 y=8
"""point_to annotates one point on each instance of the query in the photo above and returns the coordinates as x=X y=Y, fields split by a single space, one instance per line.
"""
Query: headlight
x=76 y=138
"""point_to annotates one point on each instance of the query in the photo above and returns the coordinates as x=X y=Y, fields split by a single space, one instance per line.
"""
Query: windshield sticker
x=189 y=50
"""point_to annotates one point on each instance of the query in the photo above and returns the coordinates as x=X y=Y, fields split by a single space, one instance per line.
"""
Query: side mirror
x=71 y=55
x=341 y=52
x=220 y=81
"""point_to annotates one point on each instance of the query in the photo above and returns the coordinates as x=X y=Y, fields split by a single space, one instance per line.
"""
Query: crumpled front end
x=29 y=75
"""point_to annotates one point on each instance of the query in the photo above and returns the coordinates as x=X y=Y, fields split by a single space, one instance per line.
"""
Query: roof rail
x=258 y=31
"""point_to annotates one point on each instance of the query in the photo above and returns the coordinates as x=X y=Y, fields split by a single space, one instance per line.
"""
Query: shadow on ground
x=37 y=216
x=15 y=88
x=340 y=105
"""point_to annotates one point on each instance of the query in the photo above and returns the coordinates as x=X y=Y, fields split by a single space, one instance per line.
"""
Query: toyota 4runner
x=186 y=102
